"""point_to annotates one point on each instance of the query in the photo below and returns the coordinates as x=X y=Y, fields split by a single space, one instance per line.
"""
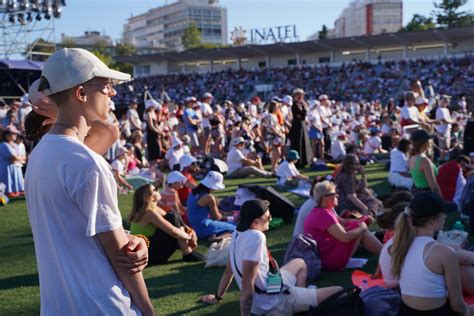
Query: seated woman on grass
x=337 y=238
x=429 y=273
x=203 y=213
x=354 y=194
x=166 y=231
x=169 y=195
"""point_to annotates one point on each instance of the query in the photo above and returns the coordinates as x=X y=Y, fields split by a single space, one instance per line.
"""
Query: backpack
x=380 y=301
x=346 y=302
x=306 y=248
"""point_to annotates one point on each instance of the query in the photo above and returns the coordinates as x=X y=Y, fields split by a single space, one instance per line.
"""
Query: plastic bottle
x=458 y=226
x=365 y=285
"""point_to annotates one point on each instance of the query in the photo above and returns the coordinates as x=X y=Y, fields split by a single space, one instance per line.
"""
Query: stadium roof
x=21 y=64
x=337 y=44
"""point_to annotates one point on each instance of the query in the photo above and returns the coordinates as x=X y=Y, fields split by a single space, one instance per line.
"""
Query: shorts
x=315 y=134
x=193 y=134
x=207 y=131
x=300 y=299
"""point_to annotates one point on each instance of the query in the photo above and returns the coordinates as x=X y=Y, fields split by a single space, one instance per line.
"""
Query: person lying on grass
x=250 y=263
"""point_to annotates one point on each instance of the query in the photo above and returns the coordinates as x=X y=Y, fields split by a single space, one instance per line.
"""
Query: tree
x=419 y=23
x=191 y=37
x=124 y=49
x=448 y=14
x=323 y=34
x=106 y=58
x=68 y=42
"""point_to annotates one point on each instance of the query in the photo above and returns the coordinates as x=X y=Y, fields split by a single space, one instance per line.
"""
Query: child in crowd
x=287 y=173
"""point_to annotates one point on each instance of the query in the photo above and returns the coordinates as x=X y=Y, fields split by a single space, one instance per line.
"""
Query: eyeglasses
x=108 y=85
x=331 y=194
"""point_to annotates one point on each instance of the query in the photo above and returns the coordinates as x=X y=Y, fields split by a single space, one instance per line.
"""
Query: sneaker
x=193 y=257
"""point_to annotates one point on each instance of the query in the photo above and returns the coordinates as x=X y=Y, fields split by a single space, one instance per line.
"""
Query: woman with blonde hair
x=428 y=271
x=337 y=238
x=166 y=231
x=423 y=171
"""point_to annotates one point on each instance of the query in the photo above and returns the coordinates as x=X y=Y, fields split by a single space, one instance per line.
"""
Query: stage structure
x=25 y=21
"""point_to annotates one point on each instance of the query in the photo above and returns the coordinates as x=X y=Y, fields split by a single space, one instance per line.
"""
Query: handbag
x=218 y=253
x=346 y=302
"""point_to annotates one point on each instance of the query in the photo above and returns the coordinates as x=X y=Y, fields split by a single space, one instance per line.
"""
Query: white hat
x=242 y=195
x=151 y=103
x=313 y=103
x=207 y=95
x=33 y=93
x=186 y=161
x=298 y=91
x=70 y=67
x=121 y=151
x=190 y=99
x=237 y=140
x=214 y=180
x=176 y=142
x=288 y=100
x=112 y=105
x=175 y=176
x=323 y=97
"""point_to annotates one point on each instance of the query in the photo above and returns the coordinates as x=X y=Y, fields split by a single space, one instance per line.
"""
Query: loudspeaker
x=280 y=206
x=469 y=138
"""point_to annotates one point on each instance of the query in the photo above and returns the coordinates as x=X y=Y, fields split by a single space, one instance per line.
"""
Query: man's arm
x=249 y=274
x=115 y=243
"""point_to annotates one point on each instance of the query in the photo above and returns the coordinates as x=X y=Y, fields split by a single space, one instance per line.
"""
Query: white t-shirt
x=173 y=156
x=134 y=118
x=338 y=149
x=410 y=113
x=398 y=161
x=372 y=144
x=385 y=262
x=234 y=159
x=206 y=110
x=249 y=245
x=304 y=211
x=314 y=118
x=326 y=114
x=443 y=113
x=286 y=171
x=71 y=196
x=118 y=165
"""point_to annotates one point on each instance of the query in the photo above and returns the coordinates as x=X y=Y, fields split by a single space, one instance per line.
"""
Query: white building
x=369 y=17
x=90 y=38
x=162 y=27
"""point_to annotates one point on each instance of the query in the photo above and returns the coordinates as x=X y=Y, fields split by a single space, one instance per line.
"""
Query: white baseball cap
x=237 y=140
x=185 y=161
x=121 y=151
x=214 y=180
x=175 y=176
x=288 y=99
x=151 y=103
x=323 y=97
x=70 y=67
x=207 y=95
x=33 y=93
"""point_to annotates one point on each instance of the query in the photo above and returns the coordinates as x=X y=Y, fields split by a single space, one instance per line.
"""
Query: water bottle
x=458 y=226
x=365 y=285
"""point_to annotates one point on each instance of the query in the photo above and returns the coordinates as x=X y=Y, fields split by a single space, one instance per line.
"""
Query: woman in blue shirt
x=10 y=163
x=203 y=213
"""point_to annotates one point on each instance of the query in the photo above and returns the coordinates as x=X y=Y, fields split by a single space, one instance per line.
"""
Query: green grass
x=175 y=288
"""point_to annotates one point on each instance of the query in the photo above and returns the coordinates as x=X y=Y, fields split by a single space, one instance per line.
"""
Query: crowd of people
x=339 y=118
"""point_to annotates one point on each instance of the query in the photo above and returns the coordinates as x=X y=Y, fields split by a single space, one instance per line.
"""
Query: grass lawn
x=175 y=288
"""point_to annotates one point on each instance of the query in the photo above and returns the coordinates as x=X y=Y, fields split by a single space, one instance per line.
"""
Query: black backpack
x=346 y=302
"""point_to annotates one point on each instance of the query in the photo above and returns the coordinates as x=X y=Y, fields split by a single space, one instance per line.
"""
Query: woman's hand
x=45 y=106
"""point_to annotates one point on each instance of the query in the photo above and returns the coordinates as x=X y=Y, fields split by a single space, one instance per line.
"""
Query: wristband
x=147 y=241
x=218 y=298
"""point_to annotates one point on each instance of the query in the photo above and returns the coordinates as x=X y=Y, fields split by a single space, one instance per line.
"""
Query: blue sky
x=308 y=15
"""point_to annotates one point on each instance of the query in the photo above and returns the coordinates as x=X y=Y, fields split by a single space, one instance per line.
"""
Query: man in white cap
x=207 y=114
x=192 y=122
x=119 y=167
x=326 y=114
x=240 y=166
x=76 y=224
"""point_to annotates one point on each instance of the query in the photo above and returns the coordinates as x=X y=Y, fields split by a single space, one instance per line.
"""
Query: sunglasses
x=331 y=194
